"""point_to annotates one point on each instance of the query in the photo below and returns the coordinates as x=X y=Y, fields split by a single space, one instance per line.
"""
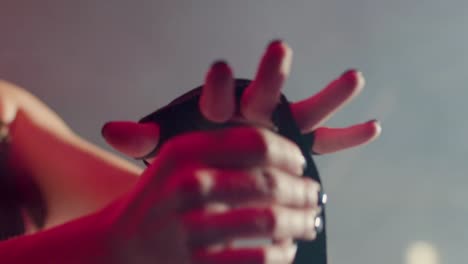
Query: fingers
x=275 y=222
x=276 y=254
x=263 y=94
x=311 y=112
x=132 y=139
x=238 y=147
x=328 y=140
x=217 y=101
x=197 y=187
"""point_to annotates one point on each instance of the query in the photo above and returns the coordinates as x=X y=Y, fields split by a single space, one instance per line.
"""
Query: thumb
x=130 y=138
x=8 y=108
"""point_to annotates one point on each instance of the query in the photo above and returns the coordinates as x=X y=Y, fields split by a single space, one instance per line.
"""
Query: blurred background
x=401 y=199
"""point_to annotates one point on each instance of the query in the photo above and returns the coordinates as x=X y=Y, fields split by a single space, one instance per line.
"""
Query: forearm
x=79 y=241
x=74 y=176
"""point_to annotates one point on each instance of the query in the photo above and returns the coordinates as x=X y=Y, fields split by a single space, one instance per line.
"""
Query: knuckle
x=167 y=149
x=267 y=223
x=268 y=184
x=263 y=255
x=311 y=184
x=188 y=183
x=312 y=192
x=260 y=139
x=277 y=254
x=203 y=181
x=173 y=148
x=197 y=181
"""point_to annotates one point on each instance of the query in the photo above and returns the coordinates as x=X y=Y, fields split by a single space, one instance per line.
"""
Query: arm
x=78 y=241
x=45 y=149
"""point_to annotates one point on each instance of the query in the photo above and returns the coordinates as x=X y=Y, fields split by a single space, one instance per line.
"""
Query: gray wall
x=94 y=61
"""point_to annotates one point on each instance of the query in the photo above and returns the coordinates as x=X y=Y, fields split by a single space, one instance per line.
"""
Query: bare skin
x=166 y=216
x=257 y=104
x=87 y=180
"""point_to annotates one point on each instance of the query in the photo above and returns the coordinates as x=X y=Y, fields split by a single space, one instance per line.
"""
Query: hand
x=257 y=104
x=217 y=103
x=167 y=218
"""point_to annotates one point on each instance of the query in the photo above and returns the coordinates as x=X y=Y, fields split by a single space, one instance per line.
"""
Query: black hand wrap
x=183 y=115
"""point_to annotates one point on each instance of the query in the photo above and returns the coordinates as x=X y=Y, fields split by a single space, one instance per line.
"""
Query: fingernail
x=219 y=71
x=377 y=126
x=218 y=64
x=352 y=74
x=354 y=78
x=350 y=71
x=376 y=121
x=275 y=42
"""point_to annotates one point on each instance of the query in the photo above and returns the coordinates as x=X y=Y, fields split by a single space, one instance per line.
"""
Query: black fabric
x=182 y=115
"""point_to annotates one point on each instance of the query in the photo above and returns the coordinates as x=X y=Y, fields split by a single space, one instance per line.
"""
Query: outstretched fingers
x=217 y=100
x=262 y=95
x=217 y=103
x=315 y=110
x=329 y=140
